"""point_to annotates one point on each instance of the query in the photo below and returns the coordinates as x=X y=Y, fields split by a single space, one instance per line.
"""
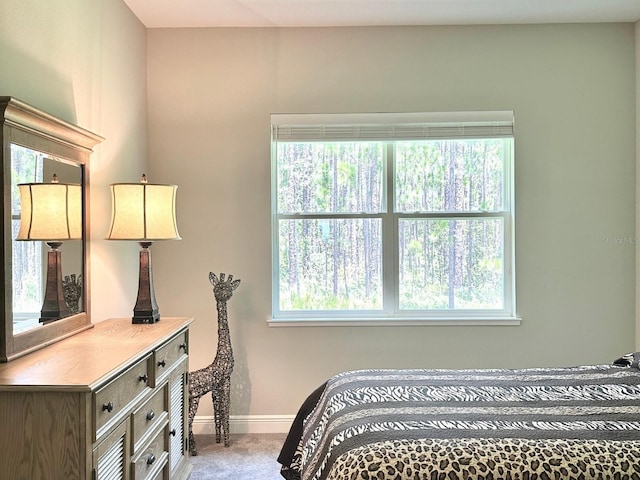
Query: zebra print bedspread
x=581 y=422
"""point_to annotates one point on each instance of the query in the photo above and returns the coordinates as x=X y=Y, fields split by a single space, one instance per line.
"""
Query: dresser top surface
x=86 y=360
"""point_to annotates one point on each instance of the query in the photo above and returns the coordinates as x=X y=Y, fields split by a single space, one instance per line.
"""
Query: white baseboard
x=245 y=424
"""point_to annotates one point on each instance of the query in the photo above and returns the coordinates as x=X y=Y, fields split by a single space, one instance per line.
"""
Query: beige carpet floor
x=248 y=457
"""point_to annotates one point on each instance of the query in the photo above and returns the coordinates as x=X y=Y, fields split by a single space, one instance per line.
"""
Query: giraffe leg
x=225 y=400
x=193 y=408
x=215 y=394
x=199 y=385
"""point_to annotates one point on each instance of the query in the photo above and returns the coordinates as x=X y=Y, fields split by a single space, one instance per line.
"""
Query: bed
x=542 y=423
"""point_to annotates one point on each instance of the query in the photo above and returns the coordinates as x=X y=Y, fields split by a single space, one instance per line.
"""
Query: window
x=27 y=262
x=398 y=217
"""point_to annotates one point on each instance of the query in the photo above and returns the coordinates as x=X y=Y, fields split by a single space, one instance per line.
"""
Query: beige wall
x=84 y=61
x=572 y=88
x=210 y=93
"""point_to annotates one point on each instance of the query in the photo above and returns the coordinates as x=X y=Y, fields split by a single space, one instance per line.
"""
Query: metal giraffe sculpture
x=216 y=378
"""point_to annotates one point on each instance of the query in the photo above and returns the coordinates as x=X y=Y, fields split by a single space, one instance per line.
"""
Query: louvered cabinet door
x=111 y=456
x=178 y=400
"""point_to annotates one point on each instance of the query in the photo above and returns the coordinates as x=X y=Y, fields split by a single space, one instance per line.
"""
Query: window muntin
x=393 y=228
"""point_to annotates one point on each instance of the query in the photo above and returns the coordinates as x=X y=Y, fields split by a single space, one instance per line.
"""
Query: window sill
x=387 y=322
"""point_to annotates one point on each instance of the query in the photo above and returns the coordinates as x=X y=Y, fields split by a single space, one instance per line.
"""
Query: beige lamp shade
x=143 y=212
x=50 y=211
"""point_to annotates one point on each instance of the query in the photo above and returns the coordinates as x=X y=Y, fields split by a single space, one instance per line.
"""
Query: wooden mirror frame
x=29 y=127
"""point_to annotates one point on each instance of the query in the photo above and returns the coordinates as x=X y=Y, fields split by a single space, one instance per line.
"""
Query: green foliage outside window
x=437 y=208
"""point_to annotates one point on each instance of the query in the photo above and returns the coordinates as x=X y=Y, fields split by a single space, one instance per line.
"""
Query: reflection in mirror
x=29 y=262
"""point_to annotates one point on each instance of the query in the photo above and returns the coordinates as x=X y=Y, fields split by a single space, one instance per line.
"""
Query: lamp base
x=146 y=308
x=139 y=317
x=54 y=306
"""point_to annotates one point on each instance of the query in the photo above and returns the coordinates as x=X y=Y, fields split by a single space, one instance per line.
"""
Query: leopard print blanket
x=464 y=459
x=566 y=423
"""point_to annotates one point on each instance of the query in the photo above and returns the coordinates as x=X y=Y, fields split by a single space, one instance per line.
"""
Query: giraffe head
x=223 y=289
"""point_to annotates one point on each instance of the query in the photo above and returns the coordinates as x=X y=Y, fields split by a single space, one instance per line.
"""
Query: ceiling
x=321 y=13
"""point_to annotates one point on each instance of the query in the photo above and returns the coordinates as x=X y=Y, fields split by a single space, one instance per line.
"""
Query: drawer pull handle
x=183 y=346
x=162 y=363
x=173 y=432
x=107 y=407
x=150 y=459
x=150 y=415
x=144 y=378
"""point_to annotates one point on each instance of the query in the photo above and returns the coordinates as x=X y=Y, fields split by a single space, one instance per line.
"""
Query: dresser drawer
x=114 y=399
x=151 y=413
x=169 y=354
x=152 y=460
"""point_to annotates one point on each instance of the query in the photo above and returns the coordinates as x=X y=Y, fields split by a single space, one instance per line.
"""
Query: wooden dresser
x=108 y=403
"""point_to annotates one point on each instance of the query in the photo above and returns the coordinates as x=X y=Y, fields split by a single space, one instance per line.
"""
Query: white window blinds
x=391 y=126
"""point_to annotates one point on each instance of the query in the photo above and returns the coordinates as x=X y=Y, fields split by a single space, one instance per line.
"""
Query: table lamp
x=51 y=212
x=145 y=213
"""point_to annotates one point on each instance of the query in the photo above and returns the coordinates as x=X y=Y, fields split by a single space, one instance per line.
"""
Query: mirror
x=29 y=259
x=36 y=145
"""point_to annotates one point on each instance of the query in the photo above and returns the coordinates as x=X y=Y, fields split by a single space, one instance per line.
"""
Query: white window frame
x=390 y=127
